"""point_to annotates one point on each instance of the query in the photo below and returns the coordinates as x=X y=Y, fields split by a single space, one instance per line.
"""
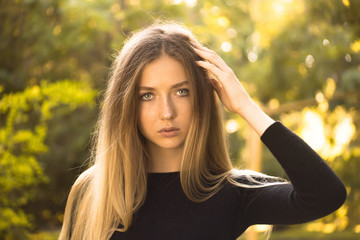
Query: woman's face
x=165 y=104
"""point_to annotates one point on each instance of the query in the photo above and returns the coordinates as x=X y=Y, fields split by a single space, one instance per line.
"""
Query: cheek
x=142 y=119
x=187 y=112
x=145 y=120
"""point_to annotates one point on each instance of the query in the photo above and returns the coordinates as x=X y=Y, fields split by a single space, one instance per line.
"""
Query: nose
x=167 y=109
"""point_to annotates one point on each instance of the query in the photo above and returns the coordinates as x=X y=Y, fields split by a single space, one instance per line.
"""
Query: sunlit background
x=299 y=59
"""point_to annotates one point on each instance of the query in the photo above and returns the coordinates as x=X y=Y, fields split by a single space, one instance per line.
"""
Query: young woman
x=161 y=168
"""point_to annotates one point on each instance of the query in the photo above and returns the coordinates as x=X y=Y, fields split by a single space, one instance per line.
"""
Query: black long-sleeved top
x=315 y=191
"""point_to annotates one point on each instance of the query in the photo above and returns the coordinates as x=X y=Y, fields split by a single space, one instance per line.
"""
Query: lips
x=169 y=132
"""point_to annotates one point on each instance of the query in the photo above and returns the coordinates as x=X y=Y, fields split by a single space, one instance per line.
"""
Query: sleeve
x=314 y=190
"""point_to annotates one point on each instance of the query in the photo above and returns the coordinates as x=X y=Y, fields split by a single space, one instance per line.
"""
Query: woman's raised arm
x=231 y=92
x=315 y=190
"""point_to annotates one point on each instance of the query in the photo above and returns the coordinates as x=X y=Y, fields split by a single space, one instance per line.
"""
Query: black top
x=315 y=191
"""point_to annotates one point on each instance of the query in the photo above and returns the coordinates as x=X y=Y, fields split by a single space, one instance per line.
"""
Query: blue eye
x=146 y=96
x=183 y=92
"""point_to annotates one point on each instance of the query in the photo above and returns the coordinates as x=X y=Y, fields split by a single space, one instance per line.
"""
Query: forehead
x=162 y=72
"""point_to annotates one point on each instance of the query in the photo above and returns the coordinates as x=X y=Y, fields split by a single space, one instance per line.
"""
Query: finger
x=217 y=86
x=211 y=52
x=208 y=55
x=212 y=57
x=201 y=47
x=211 y=68
x=216 y=83
x=205 y=49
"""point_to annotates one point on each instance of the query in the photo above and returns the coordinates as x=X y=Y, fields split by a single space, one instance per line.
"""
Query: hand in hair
x=230 y=90
x=228 y=87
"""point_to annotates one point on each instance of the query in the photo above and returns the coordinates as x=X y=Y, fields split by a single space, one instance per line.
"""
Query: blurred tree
x=307 y=64
x=316 y=57
x=24 y=117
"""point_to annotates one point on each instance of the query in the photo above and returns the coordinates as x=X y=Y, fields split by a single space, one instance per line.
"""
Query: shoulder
x=81 y=186
x=79 y=190
x=76 y=195
x=84 y=178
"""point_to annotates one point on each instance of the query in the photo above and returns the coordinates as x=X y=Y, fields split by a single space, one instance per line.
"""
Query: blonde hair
x=114 y=187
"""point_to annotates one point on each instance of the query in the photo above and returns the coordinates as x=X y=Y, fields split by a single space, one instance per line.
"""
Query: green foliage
x=23 y=132
x=351 y=80
x=46 y=235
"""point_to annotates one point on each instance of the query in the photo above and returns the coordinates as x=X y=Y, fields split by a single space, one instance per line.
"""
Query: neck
x=165 y=160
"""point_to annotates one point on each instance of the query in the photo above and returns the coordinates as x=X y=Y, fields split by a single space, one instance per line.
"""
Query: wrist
x=247 y=106
x=255 y=117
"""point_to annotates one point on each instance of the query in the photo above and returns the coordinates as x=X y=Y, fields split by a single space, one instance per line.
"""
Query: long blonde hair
x=107 y=194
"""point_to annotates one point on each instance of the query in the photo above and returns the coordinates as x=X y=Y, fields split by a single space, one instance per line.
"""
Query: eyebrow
x=174 y=86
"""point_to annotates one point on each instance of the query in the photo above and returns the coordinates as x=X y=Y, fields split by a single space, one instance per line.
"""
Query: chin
x=168 y=146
